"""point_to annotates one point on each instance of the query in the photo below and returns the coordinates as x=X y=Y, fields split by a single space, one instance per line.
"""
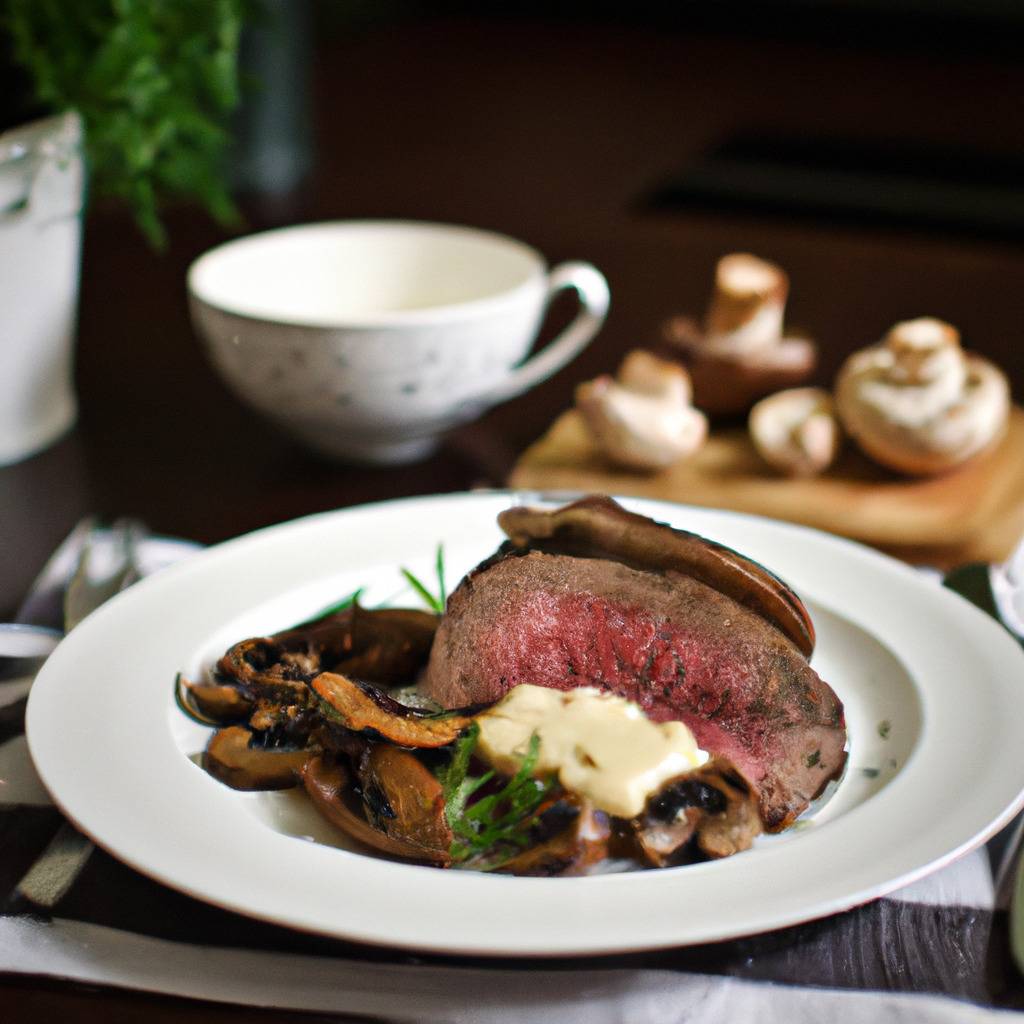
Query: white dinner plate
x=933 y=690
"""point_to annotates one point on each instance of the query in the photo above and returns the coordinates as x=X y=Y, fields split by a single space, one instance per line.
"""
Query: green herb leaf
x=813 y=759
x=435 y=602
x=442 y=592
x=333 y=609
x=884 y=728
x=428 y=597
x=494 y=828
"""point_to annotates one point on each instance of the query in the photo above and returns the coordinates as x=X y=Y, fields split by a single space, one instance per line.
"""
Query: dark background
x=649 y=141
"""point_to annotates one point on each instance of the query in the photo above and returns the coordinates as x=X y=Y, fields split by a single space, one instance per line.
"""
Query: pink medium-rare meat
x=677 y=647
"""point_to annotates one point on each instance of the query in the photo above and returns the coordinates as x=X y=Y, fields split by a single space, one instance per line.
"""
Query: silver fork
x=87 y=588
x=57 y=868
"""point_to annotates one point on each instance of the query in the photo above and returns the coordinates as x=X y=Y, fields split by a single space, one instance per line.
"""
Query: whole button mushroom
x=741 y=353
x=642 y=419
x=918 y=403
x=796 y=431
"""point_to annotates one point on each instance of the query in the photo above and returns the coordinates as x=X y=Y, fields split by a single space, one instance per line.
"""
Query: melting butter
x=599 y=745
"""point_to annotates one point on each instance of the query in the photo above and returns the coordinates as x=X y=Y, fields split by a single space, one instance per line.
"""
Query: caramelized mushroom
x=219 y=702
x=571 y=849
x=329 y=786
x=405 y=801
x=230 y=758
x=596 y=526
x=364 y=709
x=383 y=645
x=713 y=805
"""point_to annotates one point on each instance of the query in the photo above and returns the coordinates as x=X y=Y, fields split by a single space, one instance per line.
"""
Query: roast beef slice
x=675 y=646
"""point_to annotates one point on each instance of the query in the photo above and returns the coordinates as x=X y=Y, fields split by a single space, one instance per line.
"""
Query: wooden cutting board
x=975 y=513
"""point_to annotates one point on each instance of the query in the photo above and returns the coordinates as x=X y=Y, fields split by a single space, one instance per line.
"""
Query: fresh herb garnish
x=333 y=609
x=435 y=602
x=813 y=759
x=492 y=829
x=884 y=728
x=871 y=773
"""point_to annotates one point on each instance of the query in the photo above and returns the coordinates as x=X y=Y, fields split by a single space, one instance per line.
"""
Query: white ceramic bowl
x=367 y=339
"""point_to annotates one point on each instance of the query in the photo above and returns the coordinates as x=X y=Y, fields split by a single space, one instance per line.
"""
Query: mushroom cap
x=729 y=384
x=796 y=431
x=917 y=403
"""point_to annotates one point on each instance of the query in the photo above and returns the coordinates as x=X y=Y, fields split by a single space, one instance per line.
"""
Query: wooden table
x=548 y=131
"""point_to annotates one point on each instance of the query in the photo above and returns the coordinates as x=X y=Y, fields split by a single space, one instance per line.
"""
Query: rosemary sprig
x=338 y=606
x=435 y=602
x=492 y=829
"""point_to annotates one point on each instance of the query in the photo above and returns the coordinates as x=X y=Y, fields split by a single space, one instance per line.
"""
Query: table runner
x=933 y=951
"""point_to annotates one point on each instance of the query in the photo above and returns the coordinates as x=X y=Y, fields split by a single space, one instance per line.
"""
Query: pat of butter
x=600 y=746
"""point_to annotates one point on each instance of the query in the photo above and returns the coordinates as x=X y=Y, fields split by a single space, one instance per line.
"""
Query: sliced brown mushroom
x=230 y=759
x=713 y=805
x=405 y=801
x=364 y=709
x=329 y=785
x=571 y=850
x=597 y=526
x=219 y=702
x=739 y=824
x=383 y=645
x=211 y=703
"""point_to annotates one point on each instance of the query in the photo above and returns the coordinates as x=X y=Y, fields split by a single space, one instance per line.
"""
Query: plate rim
x=36 y=729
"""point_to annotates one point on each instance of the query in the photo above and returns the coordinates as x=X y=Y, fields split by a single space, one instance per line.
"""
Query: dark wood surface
x=551 y=132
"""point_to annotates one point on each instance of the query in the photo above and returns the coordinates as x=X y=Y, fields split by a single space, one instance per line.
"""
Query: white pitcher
x=41 y=195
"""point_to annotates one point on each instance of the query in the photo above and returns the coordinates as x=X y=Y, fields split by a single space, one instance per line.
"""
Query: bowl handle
x=592 y=289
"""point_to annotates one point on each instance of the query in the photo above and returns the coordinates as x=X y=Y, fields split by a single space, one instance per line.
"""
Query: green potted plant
x=139 y=95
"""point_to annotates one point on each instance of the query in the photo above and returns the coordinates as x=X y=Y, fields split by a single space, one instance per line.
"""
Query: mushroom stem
x=740 y=353
x=747 y=305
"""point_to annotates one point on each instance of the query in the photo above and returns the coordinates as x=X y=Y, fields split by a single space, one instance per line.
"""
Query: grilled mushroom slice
x=405 y=801
x=329 y=785
x=596 y=526
x=713 y=805
x=580 y=842
x=211 y=703
x=382 y=645
x=230 y=758
x=365 y=709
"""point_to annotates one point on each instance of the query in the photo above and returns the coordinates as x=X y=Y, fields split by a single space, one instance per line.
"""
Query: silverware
x=92 y=584
x=90 y=567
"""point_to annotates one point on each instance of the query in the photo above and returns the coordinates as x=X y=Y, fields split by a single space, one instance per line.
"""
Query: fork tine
x=85 y=593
